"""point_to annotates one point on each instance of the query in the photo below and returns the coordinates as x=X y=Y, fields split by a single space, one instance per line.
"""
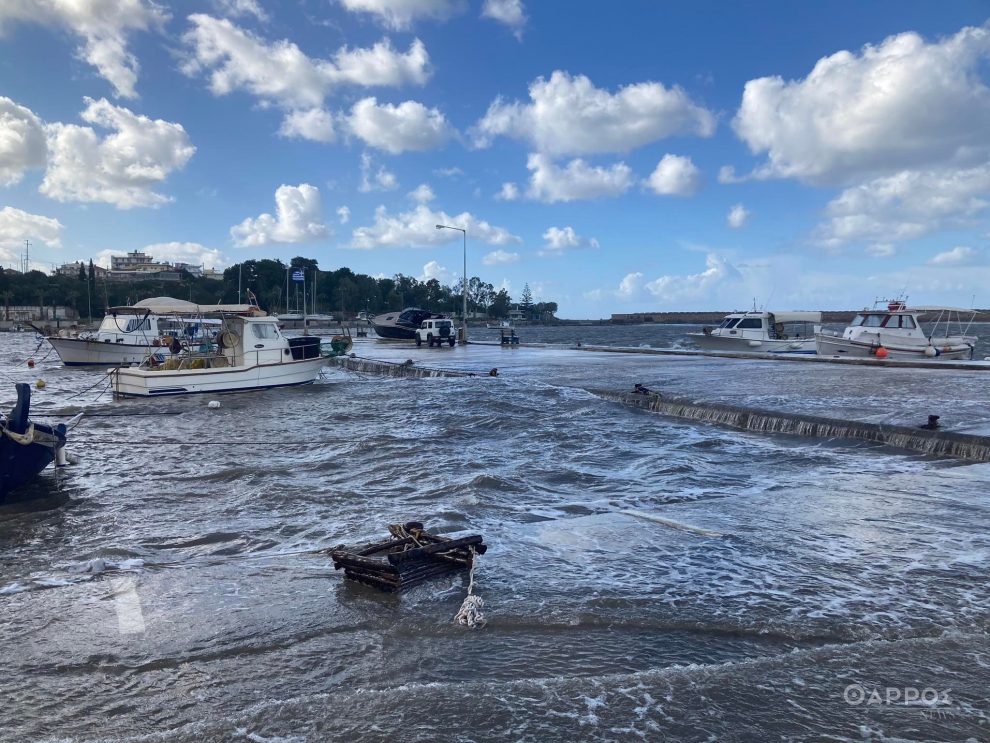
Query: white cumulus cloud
x=298 y=219
x=16 y=226
x=192 y=253
x=380 y=180
x=433 y=270
x=22 y=142
x=509 y=192
x=104 y=27
x=344 y=214
x=400 y=15
x=560 y=239
x=124 y=167
x=631 y=285
x=960 y=255
x=906 y=205
x=509 y=12
x=422 y=194
x=281 y=74
x=672 y=288
x=737 y=217
x=500 y=257
x=577 y=181
x=418 y=228
x=570 y=116
x=397 y=129
x=901 y=104
x=313 y=124
x=675 y=175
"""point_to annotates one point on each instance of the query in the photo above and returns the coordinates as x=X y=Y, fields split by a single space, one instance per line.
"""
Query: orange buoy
x=881 y=353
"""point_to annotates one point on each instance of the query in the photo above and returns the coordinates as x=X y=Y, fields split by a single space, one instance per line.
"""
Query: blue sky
x=617 y=157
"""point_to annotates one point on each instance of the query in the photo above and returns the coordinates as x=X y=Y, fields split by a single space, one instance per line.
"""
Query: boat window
x=265 y=330
x=751 y=322
x=908 y=322
x=857 y=321
x=893 y=321
x=135 y=324
x=729 y=322
x=873 y=321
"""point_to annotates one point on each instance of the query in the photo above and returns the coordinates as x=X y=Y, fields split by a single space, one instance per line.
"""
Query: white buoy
x=213 y=404
x=930 y=351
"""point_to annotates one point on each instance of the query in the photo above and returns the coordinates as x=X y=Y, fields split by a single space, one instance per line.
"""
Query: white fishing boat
x=249 y=353
x=894 y=330
x=758 y=331
x=128 y=335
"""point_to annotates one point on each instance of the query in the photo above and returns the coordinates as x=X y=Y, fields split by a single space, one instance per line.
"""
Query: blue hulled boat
x=26 y=448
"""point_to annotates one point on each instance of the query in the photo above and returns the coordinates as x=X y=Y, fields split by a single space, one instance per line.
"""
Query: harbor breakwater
x=392 y=369
x=936 y=443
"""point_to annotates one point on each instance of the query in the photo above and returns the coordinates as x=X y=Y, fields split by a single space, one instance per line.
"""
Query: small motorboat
x=758 y=331
x=893 y=330
x=26 y=447
x=401 y=326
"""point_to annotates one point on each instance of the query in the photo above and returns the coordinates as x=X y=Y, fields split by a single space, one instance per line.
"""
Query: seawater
x=648 y=578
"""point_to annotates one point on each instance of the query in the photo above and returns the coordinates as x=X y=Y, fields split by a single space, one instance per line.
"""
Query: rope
x=471 y=614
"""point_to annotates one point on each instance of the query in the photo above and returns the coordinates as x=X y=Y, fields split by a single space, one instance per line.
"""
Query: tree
x=526 y=305
x=501 y=302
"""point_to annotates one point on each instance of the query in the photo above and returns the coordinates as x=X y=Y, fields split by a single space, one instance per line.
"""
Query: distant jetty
x=707 y=318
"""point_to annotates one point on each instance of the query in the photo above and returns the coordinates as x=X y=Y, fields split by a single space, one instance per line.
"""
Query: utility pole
x=27 y=257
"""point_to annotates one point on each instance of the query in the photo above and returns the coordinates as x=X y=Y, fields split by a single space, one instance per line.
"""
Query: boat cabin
x=133 y=329
x=769 y=325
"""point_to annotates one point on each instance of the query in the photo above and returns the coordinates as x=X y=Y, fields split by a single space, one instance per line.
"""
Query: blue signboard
x=298 y=275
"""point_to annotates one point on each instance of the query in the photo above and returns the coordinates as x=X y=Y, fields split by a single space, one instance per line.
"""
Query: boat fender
x=931 y=351
x=881 y=352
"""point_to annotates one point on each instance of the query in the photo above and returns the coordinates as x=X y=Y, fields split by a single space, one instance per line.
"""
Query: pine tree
x=526 y=305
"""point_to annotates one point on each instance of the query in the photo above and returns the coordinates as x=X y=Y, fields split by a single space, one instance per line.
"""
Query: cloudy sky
x=617 y=156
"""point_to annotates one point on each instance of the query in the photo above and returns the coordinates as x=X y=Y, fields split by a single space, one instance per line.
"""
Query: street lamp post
x=464 y=282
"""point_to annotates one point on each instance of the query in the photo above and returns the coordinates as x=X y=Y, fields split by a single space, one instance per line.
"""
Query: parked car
x=436 y=330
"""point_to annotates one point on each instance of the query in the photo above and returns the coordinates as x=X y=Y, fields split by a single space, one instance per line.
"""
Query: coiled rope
x=471 y=614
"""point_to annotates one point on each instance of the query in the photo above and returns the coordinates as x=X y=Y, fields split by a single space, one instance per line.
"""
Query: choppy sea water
x=172 y=597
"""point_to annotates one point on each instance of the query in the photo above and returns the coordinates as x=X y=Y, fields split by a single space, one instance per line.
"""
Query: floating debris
x=213 y=404
x=410 y=557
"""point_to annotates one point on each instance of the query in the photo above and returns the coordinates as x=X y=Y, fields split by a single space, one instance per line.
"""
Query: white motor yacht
x=894 y=330
x=758 y=331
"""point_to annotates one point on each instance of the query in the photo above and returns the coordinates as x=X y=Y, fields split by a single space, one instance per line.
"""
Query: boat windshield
x=900 y=321
x=729 y=322
x=867 y=321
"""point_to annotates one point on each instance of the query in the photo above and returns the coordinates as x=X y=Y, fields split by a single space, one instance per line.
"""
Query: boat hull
x=394 y=332
x=137 y=382
x=836 y=346
x=78 y=352
x=752 y=345
x=22 y=462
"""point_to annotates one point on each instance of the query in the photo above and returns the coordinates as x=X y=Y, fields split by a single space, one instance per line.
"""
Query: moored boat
x=26 y=447
x=248 y=353
x=400 y=325
x=894 y=330
x=758 y=331
x=127 y=335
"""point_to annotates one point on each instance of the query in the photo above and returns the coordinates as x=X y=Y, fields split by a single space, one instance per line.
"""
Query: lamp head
x=439 y=226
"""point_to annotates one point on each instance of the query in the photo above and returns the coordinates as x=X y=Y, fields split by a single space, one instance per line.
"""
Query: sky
x=616 y=157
